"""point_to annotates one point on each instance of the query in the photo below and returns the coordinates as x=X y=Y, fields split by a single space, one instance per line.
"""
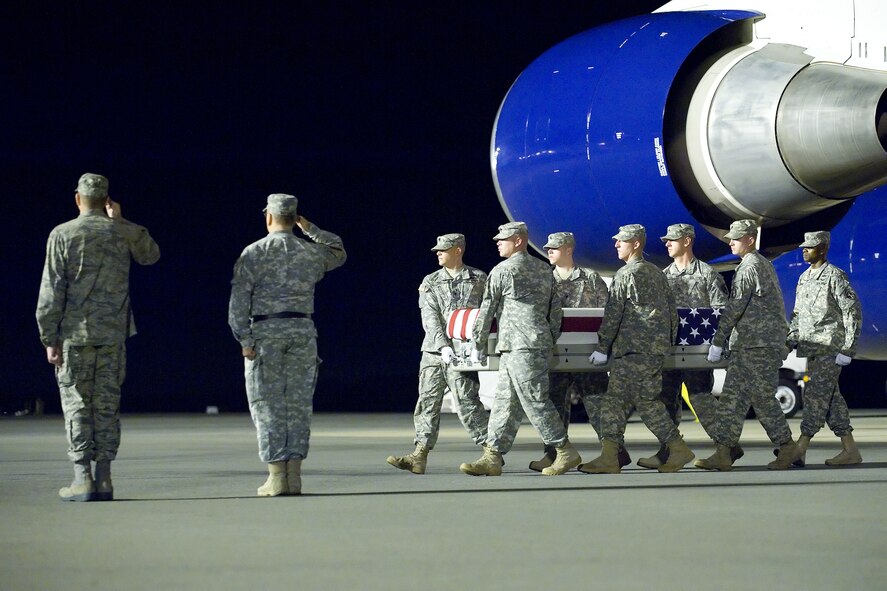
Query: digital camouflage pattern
x=84 y=308
x=752 y=379
x=827 y=317
x=638 y=330
x=826 y=320
x=440 y=294
x=755 y=314
x=584 y=288
x=278 y=274
x=698 y=285
x=640 y=315
x=521 y=294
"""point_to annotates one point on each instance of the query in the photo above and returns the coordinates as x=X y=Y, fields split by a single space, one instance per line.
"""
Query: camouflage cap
x=631 y=232
x=676 y=231
x=741 y=228
x=448 y=241
x=92 y=185
x=813 y=239
x=559 y=239
x=281 y=204
x=510 y=229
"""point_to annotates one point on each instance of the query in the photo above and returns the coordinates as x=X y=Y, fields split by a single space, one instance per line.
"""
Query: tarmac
x=185 y=514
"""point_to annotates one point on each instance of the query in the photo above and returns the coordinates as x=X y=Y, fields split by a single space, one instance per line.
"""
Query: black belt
x=260 y=317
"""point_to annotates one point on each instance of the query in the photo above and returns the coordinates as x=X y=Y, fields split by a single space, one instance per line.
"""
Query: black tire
x=788 y=393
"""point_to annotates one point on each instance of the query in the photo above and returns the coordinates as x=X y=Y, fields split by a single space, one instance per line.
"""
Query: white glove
x=598 y=358
x=842 y=359
x=714 y=354
x=447 y=354
x=477 y=356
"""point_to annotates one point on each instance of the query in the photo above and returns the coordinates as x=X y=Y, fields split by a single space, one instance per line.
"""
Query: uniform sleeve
x=793 y=323
x=852 y=314
x=53 y=290
x=740 y=295
x=489 y=307
x=142 y=247
x=240 y=304
x=334 y=248
x=717 y=290
x=433 y=322
x=555 y=312
x=673 y=315
x=613 y=311
x=599 y=288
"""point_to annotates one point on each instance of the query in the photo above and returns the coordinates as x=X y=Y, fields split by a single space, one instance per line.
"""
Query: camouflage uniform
x=754 y=321
x=521 y=294
x=826 y=321
x=277 y=275
x=584 y=288
x=640 y=321
x=84 y=308
x=696 y=286
x=439 y=295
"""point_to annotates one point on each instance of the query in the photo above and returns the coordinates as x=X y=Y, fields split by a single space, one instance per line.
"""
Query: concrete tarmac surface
x=185 y=514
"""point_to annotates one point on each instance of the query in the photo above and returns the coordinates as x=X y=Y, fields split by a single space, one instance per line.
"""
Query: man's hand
x=478 y=357
x=249 y=353
x=112 y=208
x=54 y=355
x=715 y=353
x=447 y=354
x=842 y=359
x=598 y=358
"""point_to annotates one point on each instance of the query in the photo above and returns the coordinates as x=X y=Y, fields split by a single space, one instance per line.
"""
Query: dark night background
x=376 y=115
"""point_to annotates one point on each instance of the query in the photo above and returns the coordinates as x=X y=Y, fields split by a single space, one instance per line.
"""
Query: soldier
x=272 y=299
x=754 y=321
x=640 y=323
x=455 y=285
x=824 y=328
x=521 y=293
x=84 y=317
x=694 y=284
x=577 y=287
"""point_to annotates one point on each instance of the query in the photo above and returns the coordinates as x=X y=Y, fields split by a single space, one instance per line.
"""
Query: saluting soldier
x=638 y=331
x=84 y=317
x=754 y=322
x=454 y=285
x=521 y=294
x=272 y=300
x=824 y=328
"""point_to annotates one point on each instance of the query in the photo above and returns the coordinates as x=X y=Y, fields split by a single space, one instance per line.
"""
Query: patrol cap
x=93 y=186
x=812 y=239
x=741 y=228
x=448 y=241
x=676 y=231
x=559 y=239
x=281 y=204
x=631 y=232
x=510 y=229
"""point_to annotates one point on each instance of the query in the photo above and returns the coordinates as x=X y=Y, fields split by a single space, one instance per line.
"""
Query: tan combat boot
x=545 y=461
x=607 y=462
x=849 y=455
x=294 y=476
x=276 y=483
x=104 y=488
x=656 y=460
x=789 y=453
x=415 y=462
x=489 y=464
x=82 y=487
x=679 y=455
x=567 y=458
x=721 y=460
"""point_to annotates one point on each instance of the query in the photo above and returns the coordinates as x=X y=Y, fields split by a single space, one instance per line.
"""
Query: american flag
x=697 y=326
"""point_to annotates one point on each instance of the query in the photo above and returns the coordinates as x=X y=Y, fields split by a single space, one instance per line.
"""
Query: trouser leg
x=110 y=364
x=432 y=386
x=302 y=364
x=76 y=381
x=465 y=387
